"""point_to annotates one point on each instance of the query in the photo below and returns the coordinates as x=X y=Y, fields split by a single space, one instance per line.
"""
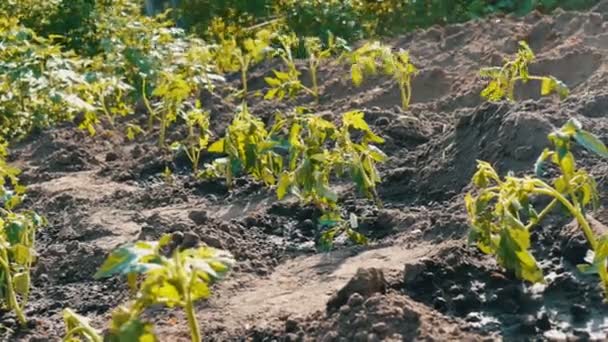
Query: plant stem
x=186 y=287
x=90 y=333
x=106 y=111
x=10 y=291
x=244 y=67
x=151 y=113
x=543 y=213
x=578 y=215
x=404 y=97
x=192 y=322
x=163 y=129
x=313 y=77
x=195 y=161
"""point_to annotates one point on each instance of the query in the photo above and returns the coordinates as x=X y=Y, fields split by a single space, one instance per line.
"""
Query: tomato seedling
x=312 y=164
x=286 y=83
x=230 y=57
x=318 y=152
x=503 y=79
x=37 y=81
x=317 y=54
x=367 y=59
x=176 y=281
x=249 y=149
x=197 y=122
x=173 y=90
x=107 y=96
x=17 y=241
x=334 y=225
x=17 y=254
x=501 y=210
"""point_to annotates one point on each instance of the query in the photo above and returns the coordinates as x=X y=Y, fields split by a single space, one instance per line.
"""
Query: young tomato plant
x=368 y=58
x=105 y=95
x=37 y=81
x=17 y=254
x=230 y=57
x=361 y=155
x=249 y=149
x=176 y=281
x=286 y=83
x=17 y=241
x=503 y=79
x=319 y=151
x=312 y=163
x=197 y=122
x=334 y=226
x=173 y=90
x=317 y=54
x=502 y=213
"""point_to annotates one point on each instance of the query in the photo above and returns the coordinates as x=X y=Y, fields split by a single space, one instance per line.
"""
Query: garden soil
x=416 y=280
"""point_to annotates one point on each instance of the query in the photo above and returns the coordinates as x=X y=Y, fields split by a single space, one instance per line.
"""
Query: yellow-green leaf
x=283 y=186
x=568 y=165
x=547 y=86
x=356 y=75
x=591 y=143
x=21 y=283
x=218 y=146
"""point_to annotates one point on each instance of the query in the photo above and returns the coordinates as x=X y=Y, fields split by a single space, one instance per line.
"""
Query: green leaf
x=357 y=237
x=14 y=231
x=591 y=143
x=319 y=157
x=22 y=254
x=587 y=269
x=551 y=85
x=547 y=86
x=271 y=94
x=132 y=281
x=326 y=241
x=167 y=293
x=588 y=193
x=355 y=119
x=273 y=82
x=513 y=254
x=267 y=176
x=283 y=186
x=493 y=91
x=570 y=128
x=135 y=330
x=21 y=283
x=324 y=192
x=377 y=154
x=200 y=290
x=218 y=146
x=209 y=263
x=330 y=219
x=491 y=72
x=78 y=103
x=127 y=259
x=568 y=164
x=356 y=75
x=281 y=76
x=73 y=321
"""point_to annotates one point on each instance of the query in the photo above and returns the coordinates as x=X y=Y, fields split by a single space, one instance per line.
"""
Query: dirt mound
x=98 y=193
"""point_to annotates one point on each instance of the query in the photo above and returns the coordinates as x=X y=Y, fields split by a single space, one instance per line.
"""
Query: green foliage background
x=349 y=19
